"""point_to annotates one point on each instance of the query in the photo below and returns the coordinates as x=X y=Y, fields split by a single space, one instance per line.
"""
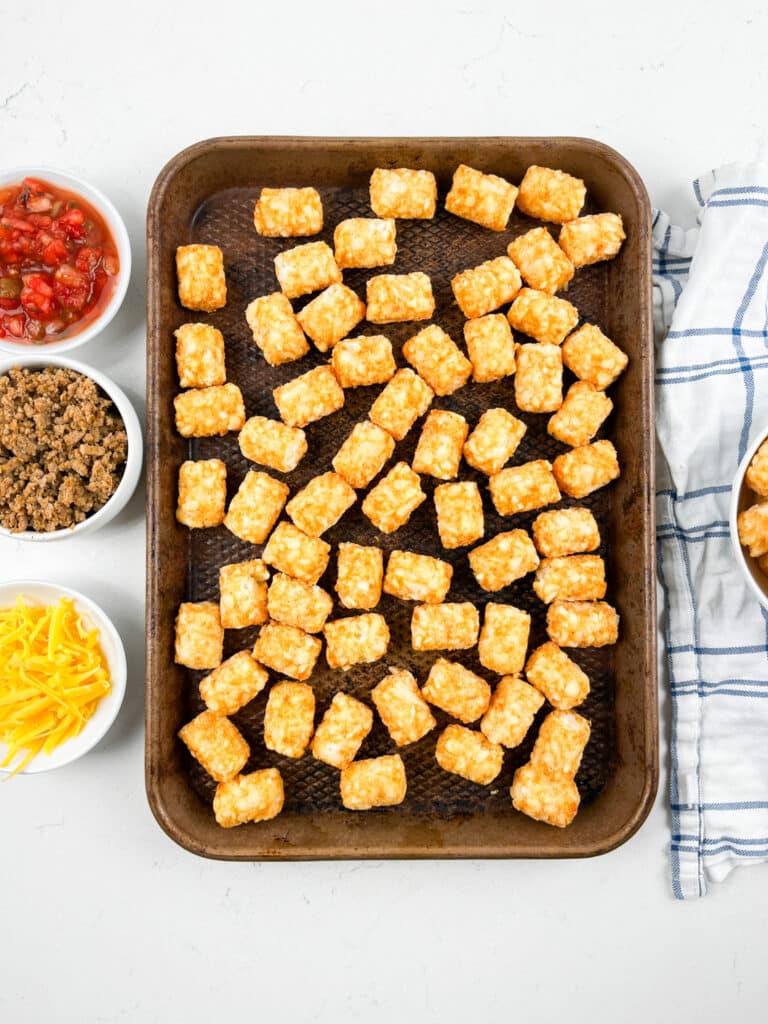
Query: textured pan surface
x=207 y=195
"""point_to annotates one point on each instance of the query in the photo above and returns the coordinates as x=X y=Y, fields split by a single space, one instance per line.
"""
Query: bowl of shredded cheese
x=62 y=675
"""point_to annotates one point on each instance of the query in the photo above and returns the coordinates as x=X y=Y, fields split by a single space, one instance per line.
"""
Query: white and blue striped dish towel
x=711 y=311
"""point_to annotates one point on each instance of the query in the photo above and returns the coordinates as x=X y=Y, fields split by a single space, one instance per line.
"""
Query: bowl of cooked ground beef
x=70 y=448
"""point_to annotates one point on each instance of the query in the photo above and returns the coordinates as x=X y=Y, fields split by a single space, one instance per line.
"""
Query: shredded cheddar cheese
x=53 y=673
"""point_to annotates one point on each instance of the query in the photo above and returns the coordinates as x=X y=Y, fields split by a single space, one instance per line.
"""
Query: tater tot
x=441 y=443
x=405 y=398
x=503 y=640
x=275 y=329
x=360 y=362
x=573 y=578
x=553 y=799
x=503 y=559
x=592 y=239
x=494 y=441
x=374 y=782
x=413 y=577
x=560 y=744
x=542 y=263
x=438 y=359
x=539 y=378
x=593 y=357
x=272 y=443
x=757 y=471
x=444 y=627
x=356 y=640
x=217 y=744
x=202 y=493
x=583 y=412
x=391 y=503
x=491 y=347
x=209 y=412
x=296 y=603
x=289 y=719
x=319 y=505
x=331 y=316
x=288 y=212
x=306 y=268
x=363 y=454
x=393 y=298
x=341 y=732
x=485 y=199
x=243 y=594
x=752 y=525
x=233 y=684
x=459 y=509
x=510 y=714
x=360 y=576
x=200 y=356
x=310 y=397
x=559 y=678
x=469 y=754
x=403 y=193
x=365 y=242
x=287 y=649
x=199 y=635
x=200 y=273
x=255 y=508
x=457 y=691
x=290 y=551
x=401 y=707
x=542 y=317
x=524 y=488
x=484 y=288
x=257 y=796
x=583 y=470
x=582 y=623
x=549 y=194
x=565 y=531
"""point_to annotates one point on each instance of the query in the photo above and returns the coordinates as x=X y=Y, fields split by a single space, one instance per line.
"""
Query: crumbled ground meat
x=63 y=448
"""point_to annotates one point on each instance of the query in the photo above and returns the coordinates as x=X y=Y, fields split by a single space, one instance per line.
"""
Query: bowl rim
x=743 y=559
x=116 y=224
x=134 y=458
x=118 y=672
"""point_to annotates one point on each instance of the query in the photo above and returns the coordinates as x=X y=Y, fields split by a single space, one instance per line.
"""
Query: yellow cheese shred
x=53 y=673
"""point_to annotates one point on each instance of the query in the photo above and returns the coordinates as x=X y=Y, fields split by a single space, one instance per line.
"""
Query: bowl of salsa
x=65 y=260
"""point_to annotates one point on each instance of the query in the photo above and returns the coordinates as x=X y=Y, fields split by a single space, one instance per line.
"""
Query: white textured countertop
x=103 y=918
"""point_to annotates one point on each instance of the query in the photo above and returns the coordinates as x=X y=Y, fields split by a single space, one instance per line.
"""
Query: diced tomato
x=17 y=224
x=15 y=325
x=54 y=252
x=88 y=259
x=71 y=287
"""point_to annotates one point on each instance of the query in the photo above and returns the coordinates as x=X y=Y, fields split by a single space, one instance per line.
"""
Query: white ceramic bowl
x=40 y=358
x=742 y=497
x=40 y=592
x=113 y=220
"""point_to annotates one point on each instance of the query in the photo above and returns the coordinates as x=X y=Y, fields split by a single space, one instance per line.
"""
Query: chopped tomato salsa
x=58 y=263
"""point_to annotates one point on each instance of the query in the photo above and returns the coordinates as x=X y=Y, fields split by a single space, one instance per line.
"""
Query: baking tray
x=206 y=194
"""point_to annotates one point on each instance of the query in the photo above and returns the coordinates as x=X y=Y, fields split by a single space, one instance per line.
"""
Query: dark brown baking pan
x=206 y=194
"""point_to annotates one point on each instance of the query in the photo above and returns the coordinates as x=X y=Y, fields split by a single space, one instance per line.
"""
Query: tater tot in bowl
x=749 y=517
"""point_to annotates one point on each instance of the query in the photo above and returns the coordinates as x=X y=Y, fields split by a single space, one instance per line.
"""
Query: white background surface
x=102 y=918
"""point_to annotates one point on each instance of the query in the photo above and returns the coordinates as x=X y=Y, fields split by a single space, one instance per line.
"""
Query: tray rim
x=350 y=851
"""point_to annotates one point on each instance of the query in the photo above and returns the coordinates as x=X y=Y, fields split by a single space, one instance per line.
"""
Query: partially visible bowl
x=113 y=220
x=741 y=498
x=42 y=592
x=132 y=471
